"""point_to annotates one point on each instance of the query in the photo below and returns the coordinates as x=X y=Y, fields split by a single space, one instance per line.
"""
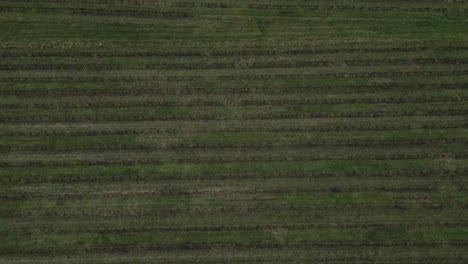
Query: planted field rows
x=147 y=131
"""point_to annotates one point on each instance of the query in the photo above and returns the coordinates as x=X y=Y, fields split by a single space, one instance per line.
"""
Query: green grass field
x=249 y=131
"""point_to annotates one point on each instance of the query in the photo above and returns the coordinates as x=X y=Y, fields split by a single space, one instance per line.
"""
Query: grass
x=88 y=240
x=72 y=213
x=237 y=137
x=361 y=165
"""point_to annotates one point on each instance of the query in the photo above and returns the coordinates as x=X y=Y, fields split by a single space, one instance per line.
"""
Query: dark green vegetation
x=144 y=131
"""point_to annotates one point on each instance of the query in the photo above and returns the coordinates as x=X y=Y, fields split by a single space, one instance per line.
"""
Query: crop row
x=149 y=194
x=195 y=4
x=123 y=230
x=178 y=78
x=138 y=2
x=141 y=177
x=10 y=119
x=248 y=257
x=177 y=192
x=67 y=92
x=99 y=12
x=267 y=128
x=187 y=4
x=203 y=246
x=219 y=146
x=228 y=159
x=130 y=2
x=236 y=102
x=73 y=213
x=172 y=14
x=219 y=65
x=358 y=8
x=226 y=53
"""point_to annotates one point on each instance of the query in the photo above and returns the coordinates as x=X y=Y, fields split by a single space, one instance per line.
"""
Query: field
x=248 y=131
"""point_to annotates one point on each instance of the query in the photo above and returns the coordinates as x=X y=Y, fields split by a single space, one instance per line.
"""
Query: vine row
x=10 y=119
x=200 y=246
x=228 y=159
x=205 y=129
x=225 y=53
x=141 y=177
x=220 y=146
x=177 y=78
x=357 y=8
x=249 y=227
x=219 y=65
x=99 y=12
x=141 y=91
x=236 y=102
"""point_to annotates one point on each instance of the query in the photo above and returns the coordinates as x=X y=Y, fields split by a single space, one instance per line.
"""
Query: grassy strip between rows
x=272 y=256
x=308 y=84
x=228 y=112
x=88 y=240
x=395 y=254
x=219 y=4
x=448 y=151
x=243 y=137
x=121 y=219
x=447 y=195
x=292 y=95
x=239 y=60
x=260 y=167
x=248 y=74
x=233 y=190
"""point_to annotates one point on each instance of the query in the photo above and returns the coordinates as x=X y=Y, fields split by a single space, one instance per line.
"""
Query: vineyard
x=248 y=131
